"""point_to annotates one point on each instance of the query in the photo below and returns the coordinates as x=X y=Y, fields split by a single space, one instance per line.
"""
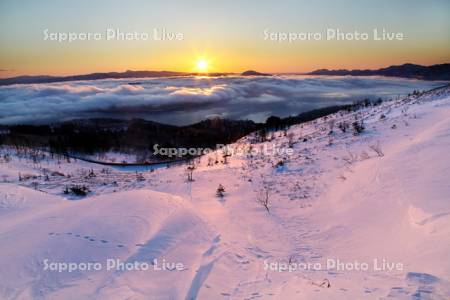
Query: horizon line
x=187 y=73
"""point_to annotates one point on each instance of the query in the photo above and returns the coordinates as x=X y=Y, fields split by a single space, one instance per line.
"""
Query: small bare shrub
x=358 y=127
x=139 y=177
x=79 y=190
x=220 y=191
x=377 y=149
x=364 y=155
x=351 y=158
x=279 y=164
x=343 y=126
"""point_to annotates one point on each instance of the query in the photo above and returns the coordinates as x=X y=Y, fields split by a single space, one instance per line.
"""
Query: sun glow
x=202 y=65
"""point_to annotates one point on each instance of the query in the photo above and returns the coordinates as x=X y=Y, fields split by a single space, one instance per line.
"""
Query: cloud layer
x=188 y=99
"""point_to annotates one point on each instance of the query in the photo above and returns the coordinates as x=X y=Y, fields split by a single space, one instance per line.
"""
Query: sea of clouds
x=185 y=100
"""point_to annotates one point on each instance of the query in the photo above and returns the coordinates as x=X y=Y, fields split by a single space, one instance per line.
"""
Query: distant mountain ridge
x=97 y=76
x=433 y=72
x=112 y=75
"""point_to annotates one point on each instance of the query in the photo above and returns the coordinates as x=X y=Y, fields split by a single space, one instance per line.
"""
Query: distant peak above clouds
x=434 y=72
x=254 y=73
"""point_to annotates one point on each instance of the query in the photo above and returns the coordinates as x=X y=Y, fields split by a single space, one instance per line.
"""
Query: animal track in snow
x=91 y=239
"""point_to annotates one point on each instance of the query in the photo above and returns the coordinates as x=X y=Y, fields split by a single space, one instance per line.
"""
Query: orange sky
x=230 y=36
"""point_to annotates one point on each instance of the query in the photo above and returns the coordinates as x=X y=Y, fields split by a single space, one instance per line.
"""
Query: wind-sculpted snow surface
x=347 y=216
x=138 y=225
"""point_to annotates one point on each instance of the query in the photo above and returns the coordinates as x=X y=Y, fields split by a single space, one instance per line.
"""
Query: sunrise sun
x=202 y=65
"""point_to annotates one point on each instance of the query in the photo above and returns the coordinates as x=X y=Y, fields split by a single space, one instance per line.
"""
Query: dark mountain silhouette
x=97 y=76
x=254 y=73
x=434 y=72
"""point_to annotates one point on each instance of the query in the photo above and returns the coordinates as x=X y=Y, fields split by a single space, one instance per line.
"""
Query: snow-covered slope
x=380 y=198
x=127 y=226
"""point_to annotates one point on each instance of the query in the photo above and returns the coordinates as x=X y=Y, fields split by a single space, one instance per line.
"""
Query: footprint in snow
x=91 y=239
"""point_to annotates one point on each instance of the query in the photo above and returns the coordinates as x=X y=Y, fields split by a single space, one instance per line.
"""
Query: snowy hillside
x=345 y=216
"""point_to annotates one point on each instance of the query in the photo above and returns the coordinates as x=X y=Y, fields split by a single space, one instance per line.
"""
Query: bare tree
x=35 y=185
x=216 y=157
x=330 y=140
x=226 y=153
x=190 y=171
x=331 y=124
x=263 y=198
x=290 y=137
